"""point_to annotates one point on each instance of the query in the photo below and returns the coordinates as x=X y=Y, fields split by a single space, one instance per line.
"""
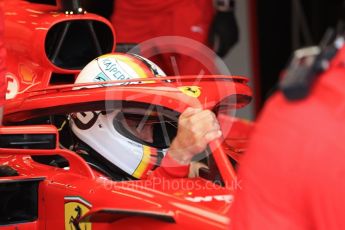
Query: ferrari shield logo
x=192 y=91
x=75 y=208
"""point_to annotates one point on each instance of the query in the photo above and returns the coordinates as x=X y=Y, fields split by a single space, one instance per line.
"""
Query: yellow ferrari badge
x=192 y=91
x=75 y=208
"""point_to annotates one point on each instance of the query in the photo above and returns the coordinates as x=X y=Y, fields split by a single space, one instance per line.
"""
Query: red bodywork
x=79 y=197
x=35 y=57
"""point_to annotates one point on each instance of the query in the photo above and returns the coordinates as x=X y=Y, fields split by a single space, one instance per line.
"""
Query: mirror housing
x=29 y=137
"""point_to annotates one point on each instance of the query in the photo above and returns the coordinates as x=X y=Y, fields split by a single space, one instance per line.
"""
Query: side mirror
x=40 y=140
x=29 y=137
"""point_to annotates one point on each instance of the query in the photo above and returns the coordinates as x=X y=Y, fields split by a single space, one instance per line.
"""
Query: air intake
x=72 y=44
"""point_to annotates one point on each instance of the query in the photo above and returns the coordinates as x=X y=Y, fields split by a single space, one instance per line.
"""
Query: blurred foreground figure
x=2 y=67
x=292 y=176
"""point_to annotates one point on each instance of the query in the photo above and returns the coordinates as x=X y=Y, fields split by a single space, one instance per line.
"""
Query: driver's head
x=133 y=135
x=143 y=130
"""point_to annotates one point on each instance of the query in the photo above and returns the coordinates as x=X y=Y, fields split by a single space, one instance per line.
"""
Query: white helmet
x=135 y=136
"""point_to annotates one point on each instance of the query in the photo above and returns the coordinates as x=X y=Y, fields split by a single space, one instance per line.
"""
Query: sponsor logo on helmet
x=89 y=120
x=111 y=67
x=101 y=77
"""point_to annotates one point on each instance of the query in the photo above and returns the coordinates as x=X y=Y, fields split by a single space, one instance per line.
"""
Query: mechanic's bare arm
x=196 y=129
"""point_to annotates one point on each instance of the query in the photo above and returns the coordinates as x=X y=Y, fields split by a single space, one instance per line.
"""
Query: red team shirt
x=2 y=63
x=138 y=21
x=147 y=6
x=293 y=174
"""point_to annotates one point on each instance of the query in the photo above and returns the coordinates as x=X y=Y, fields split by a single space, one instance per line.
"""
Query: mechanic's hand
x=196 y=128
x=223 y=33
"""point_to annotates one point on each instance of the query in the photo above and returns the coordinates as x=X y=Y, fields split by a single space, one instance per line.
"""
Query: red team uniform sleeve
x=170 y=169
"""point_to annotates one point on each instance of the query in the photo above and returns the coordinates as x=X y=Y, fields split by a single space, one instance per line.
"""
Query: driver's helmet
x=135 y=136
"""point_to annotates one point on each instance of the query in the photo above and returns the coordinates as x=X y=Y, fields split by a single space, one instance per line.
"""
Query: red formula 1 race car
x=44 y=185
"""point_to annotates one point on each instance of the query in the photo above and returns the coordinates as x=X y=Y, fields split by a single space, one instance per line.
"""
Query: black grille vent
x=19 y=201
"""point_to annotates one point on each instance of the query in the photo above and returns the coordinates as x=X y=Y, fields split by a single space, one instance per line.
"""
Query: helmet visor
x=154 y=126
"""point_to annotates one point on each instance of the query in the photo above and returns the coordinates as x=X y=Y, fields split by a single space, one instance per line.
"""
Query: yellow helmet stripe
x=134 y=64
x=144 y=163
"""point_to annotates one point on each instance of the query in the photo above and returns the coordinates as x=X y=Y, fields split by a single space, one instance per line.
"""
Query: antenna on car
x=71 y=6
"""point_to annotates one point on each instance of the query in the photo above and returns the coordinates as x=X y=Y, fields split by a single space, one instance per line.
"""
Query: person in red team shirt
x=292 y=175
x=2 y=68
x=210 y=22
